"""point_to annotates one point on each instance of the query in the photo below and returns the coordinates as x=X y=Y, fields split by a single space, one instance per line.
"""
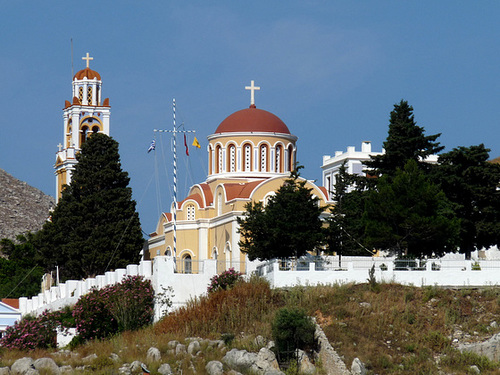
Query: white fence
x=164 y=272
x=329 y=270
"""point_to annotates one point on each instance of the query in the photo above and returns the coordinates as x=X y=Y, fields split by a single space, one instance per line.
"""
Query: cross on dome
x=252 y=89
x=60 y=146
x=88 y=58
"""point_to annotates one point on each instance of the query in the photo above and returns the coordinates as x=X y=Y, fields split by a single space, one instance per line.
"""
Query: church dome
x=252 y=120
x=87 y=72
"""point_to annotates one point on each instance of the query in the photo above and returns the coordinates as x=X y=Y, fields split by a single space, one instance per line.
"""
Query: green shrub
x=292 y=329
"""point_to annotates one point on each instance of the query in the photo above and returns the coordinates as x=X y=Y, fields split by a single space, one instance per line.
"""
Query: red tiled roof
x=240 y=190
x=87 y=72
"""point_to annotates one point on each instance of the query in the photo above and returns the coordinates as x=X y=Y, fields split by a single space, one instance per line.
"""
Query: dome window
x=231 y=165
x=247 y=158
x=263 y=158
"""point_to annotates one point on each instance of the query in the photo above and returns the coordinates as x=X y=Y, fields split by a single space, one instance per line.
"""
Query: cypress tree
x=94 y=227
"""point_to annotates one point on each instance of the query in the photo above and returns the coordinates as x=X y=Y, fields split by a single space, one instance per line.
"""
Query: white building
x=354 y=164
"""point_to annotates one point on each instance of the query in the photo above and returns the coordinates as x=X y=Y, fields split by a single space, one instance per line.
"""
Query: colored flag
x=196 y=143
x=152 y=146
x=185 y=144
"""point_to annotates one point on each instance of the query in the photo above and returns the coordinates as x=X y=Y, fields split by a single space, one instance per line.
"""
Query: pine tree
x=405 y=141
x=94 y=227
x=471 y=183
x=410 y=215
x=288 y=226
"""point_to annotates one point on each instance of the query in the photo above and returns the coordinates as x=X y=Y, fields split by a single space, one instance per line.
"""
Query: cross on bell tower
x=88 y=58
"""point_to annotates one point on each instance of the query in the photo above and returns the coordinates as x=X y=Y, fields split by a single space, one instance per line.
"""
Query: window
x=218 y=155
x=231 y=165
x=263 y=158
x=219 y=204
x=291 y=162
x=187 y=264
x=277 y=166
x=247 y=161
x=168 y=252
x=80 y=94
x=190 y=212
x=84 y=135
x=89 y=95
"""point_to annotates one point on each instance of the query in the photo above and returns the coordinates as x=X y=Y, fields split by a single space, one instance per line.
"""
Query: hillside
x=392 y=329
x=23 y=208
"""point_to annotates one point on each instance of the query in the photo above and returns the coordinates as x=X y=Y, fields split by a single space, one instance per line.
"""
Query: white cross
x=88 y=58
x=60 y=146
x=252 y=89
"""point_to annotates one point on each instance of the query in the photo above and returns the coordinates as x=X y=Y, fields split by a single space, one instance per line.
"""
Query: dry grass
x=393 y=329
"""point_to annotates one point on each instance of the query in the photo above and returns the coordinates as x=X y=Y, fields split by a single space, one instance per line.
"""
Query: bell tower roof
x=87 y=73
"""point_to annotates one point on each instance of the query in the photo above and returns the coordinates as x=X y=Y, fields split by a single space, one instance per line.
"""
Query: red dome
x=87 y=72
x=252 y=120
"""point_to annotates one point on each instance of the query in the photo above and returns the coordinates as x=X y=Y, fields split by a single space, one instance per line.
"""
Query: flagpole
x=174 y=132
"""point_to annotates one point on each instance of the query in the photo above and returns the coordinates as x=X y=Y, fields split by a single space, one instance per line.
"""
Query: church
x=250 y=155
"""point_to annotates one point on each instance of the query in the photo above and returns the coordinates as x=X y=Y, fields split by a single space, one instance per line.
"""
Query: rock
x=474 y=370
x=67 y=369
x=260 y=341
x=365 y=305
x=180 y=349
x=357 y=367
x=239 y=360
x=172 y=344
x=494 y=324
x=89 y=358
x=165 y=369
x=489 y=348
x=214 y=368
x=153 y=355
x=266 y=360
x=47 y=365
x=125 y=369
x=270 y=344
x=194 y=347
x=21 y=366
x=136 y=366
x=4 y=371
x=114 y=357
x=305 y=365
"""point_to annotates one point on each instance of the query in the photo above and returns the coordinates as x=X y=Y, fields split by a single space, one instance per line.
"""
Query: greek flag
x=152 y=146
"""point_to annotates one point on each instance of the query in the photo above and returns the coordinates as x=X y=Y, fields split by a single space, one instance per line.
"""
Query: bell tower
x=87 y=113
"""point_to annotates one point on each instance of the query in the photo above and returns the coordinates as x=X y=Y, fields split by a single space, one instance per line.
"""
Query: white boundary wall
x=450 y=271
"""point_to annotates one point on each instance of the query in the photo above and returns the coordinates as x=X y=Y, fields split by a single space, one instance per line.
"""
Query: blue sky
x=331 y=70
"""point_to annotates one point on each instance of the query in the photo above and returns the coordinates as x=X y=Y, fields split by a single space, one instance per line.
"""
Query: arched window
x=80 y=94
x=210 y=158
x=263 y=158
x=218 y=155
x=168 y=252
x=231 y=159
x=247 y=158
x=190 y=212
x=291 y=161
x=229 y=257
x=84 y=135
x=215 y=253
x=219 y=204
x=68 y=134
x=95 y=129
x=186 y=262
x=278 y=162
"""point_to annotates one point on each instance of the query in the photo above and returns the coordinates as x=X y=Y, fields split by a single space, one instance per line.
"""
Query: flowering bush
x=93 y=318
x=115 y=308
x=131 y=303
x=224 y=280
x=35 y=332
